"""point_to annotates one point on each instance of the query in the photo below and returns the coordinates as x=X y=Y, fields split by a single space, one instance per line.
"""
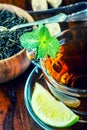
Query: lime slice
x=50 y=110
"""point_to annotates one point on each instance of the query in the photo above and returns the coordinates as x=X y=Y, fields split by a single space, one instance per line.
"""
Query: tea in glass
x=66 y=74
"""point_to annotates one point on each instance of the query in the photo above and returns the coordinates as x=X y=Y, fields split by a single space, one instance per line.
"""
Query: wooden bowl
x=15 y=65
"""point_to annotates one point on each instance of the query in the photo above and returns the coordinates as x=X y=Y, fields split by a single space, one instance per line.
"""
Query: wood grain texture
x=13 y=112
x=12 y=67
x=19 y=3
x=15 y=65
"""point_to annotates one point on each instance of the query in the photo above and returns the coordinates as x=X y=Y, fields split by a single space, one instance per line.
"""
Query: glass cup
x=66 y=75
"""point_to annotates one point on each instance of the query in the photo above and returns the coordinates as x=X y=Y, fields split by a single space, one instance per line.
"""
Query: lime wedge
x=49 y=110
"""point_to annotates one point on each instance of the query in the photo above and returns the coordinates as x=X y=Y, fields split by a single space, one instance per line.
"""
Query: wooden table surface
x=13 y=112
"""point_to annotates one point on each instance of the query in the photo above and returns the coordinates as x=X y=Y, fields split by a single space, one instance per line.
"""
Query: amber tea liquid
x=69 y=69
x=74 y=58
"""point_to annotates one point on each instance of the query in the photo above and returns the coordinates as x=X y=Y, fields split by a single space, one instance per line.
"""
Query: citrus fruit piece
x=49 y=110
x=54 y=28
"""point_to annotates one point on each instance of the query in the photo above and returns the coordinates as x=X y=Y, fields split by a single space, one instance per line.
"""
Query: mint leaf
x=42 y=50
x=53 y=47
x=29 y=40
x=44 y=33
x=41 y=40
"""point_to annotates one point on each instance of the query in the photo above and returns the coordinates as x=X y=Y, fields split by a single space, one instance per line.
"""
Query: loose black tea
x=9 y=41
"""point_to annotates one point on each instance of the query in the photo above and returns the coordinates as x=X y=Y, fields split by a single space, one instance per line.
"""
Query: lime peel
x=50 y=110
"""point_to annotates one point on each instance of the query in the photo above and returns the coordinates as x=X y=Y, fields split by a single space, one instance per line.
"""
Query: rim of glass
x=27 y=98
x=52 y=80
x=64 y=87
x=69 y=29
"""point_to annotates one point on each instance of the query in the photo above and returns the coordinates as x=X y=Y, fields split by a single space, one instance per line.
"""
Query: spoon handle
x=57 y=18
x=78 y=16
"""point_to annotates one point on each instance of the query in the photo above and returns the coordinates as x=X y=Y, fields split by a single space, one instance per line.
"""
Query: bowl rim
x=24 y=13
x=71 y=28
x=13 y=56
x=13 y=8
x=36 y=73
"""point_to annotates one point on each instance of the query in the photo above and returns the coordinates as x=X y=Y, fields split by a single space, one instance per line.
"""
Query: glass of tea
x=66 y=75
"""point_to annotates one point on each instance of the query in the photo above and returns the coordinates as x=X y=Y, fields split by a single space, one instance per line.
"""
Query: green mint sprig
x=40 y=40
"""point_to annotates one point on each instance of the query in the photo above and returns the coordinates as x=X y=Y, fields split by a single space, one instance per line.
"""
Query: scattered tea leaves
x=9 y=41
